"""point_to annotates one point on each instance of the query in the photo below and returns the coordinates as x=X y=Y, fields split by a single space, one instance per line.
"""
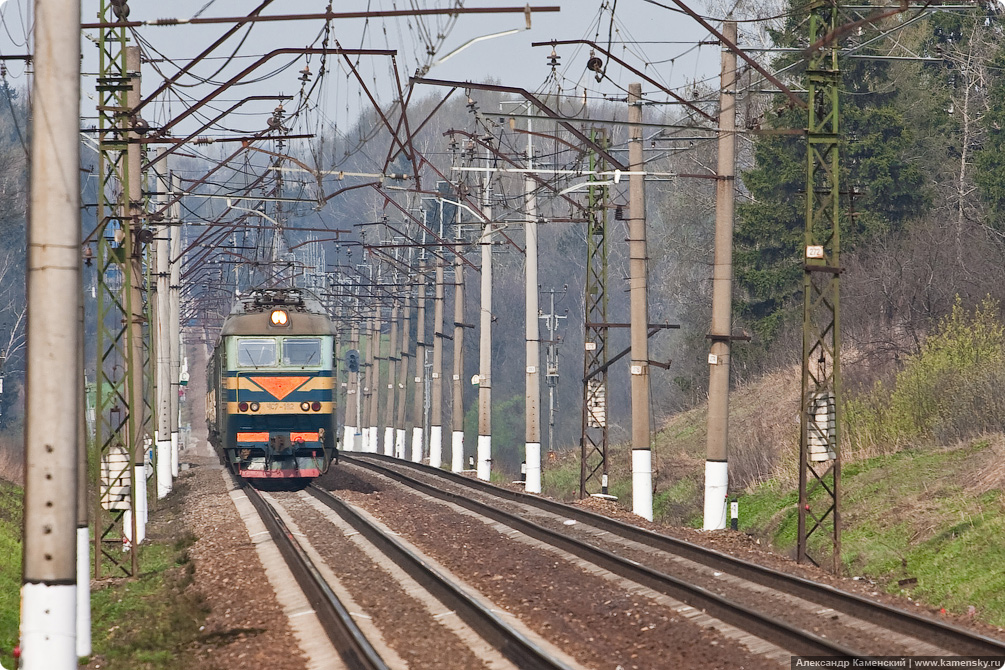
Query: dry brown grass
x=11 y=461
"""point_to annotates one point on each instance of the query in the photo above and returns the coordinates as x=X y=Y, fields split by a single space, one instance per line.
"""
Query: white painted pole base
x=163 y=468
x=371 y=440
x=388 y=441
x=716 y=487
x=399 y=443
x=348 y=438
x=484 y=468
x=457 y=451
x=435 y=446
x=48 y=627
x=140 y=477
x=642 y=483
x=417 y=444
x=83 y=592
x=175 y=464
x=533 y=483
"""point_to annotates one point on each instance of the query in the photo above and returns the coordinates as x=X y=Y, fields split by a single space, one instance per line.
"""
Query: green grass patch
x=11 y=511
x=913 y=514
x=150 y=621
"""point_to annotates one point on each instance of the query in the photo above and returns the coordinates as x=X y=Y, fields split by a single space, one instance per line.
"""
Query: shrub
x=949 y=390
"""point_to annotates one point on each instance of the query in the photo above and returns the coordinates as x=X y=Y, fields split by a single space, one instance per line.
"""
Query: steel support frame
x=116 y=424
x=820 y=480
x=594 y=437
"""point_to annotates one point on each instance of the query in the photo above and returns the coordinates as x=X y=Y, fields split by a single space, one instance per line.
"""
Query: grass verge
x=150 y=621
x=936 y=515
x=11 y=497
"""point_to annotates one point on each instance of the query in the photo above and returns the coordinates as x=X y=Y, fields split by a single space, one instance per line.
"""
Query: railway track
x=836 y=612
x=355 y=650
x=351 y=643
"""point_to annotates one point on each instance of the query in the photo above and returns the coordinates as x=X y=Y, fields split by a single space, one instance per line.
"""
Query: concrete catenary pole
x=532 y=333
x=373 y=381
x=174 y=332
x=136 y=520
x=642 y=468
x=484 y=455
x=164 y=387
x=403 y=355
x=418 y=431
x=352 y=395
x=49 y=576
x=436 y=419
x=457 y=439
x=716 y=465
x=392 y=378
x=83 y=536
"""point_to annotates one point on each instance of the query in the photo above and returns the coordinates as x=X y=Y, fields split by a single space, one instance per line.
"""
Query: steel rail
x=951 y=638
x=352 y=645
x=509 y=642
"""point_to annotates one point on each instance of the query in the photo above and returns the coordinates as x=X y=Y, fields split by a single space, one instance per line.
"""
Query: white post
x=49 y=572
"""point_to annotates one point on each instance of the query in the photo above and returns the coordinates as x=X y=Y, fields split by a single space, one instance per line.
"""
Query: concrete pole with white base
x=83 y=537
x=716 y=464
x=352 y=395
x=642 y=467
x=436 y=418
x=403 y=355
x=135 y=519
x=392 y=378
x=418 y=431
x=373 y=381
x=48 y=635
x=484 y=451
x=457 y=438
x=174 y=315
x=162 y=349
x=532 y=445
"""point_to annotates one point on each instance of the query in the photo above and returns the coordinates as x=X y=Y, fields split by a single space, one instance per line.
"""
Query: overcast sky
x=662 y=43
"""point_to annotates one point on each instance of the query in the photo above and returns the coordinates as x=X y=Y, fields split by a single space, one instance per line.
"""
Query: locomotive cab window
x=256 y=353
x=305 y=352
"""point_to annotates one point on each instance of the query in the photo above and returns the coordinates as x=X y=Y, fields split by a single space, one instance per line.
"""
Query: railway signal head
x=352 y=360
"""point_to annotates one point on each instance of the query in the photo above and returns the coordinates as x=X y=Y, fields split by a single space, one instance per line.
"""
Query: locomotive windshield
x=306 y=351
x=256 y=352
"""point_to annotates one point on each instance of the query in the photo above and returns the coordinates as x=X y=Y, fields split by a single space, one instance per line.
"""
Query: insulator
x=553 y=59
x=594 y=64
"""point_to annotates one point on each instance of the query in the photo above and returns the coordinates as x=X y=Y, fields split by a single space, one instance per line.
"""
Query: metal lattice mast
x=819 y=452
x=115 y=425
x=593 y=443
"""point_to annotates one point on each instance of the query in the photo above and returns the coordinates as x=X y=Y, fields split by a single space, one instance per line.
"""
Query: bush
x=949 y=390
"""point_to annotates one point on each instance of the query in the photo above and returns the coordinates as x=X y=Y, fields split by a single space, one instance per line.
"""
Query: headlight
x=280 y=317
x=305 y=406
x=254 y=407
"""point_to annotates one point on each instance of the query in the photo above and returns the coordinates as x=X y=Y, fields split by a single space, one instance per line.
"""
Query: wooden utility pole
x=716 y=467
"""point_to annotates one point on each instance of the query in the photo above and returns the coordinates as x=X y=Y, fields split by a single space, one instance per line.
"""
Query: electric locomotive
x=270 y=405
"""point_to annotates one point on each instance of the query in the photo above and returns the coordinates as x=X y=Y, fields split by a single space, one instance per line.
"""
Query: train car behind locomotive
x=270 y=406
